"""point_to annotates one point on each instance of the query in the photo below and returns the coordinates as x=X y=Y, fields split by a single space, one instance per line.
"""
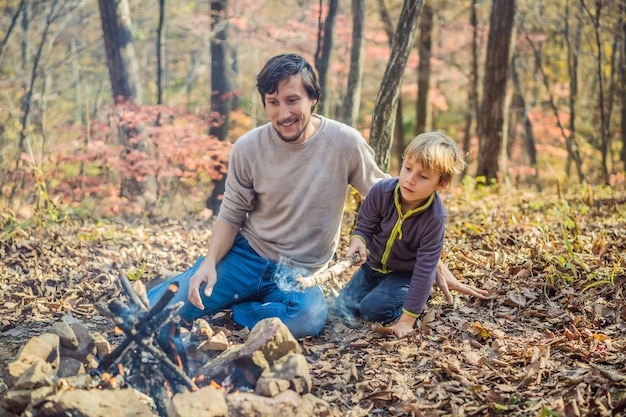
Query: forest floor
x=549 y=340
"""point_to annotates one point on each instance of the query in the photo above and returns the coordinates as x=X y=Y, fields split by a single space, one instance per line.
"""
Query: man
x=286 y=188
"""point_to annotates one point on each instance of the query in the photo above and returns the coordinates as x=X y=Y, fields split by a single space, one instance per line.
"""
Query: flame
x=168 y=388
x=109 y=380
x=214 y=384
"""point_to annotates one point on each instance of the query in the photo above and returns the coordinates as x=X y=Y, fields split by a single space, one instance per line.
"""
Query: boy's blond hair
x=436 y=152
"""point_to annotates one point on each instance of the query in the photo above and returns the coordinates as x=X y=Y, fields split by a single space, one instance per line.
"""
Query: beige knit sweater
x=288 y=199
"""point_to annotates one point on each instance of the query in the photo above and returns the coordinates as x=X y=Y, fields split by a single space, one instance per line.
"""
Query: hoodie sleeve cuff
x=360 y=237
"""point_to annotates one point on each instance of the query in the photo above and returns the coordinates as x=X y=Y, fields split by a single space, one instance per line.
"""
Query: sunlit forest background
x=116 y=122
x=148 y=131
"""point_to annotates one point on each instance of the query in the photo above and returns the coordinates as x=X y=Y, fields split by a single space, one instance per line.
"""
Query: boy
x=399 y=236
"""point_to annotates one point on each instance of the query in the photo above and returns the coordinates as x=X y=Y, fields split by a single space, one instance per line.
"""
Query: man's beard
x=297 y=135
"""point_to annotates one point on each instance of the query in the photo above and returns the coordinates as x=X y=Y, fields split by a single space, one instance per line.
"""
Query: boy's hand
x=358 y=246
x=403 y=326
x=446 y=281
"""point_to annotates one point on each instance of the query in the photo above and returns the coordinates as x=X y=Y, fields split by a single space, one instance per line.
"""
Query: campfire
x=161 y=367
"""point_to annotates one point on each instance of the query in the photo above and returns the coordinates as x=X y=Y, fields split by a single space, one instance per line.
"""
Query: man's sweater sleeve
x=239 y=193
x=365 y=172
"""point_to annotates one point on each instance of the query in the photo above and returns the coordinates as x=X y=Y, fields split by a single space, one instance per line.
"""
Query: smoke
x=286 y=273
x=346 y=308
x=285 y=277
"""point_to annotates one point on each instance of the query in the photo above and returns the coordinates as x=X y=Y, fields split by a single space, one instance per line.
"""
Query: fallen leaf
x=384 y=330
x=515 y=300
x=359 y=344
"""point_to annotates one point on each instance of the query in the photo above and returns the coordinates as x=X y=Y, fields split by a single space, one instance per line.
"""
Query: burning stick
x=132 y=295
x=334 y=271
x=146 y=326
x=141 y=328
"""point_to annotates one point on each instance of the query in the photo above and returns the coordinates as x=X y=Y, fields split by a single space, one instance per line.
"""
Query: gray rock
x=294 y=368
x=316 y=407
x=39 y=374
x=271 y=387
x=268 y=341
x=103 y=347
x=285 y=404
x=65 y=333
x=69 y=367
x=17 y=400
x=92 y=403
x=86 y=344
x=206 y=402
x=44 y=347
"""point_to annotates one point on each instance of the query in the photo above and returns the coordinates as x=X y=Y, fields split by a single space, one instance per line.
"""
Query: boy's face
x=416 y=183
x=289 y=109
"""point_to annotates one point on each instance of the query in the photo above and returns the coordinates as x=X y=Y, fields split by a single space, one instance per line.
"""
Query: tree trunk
x=573 y=52
x=30 y=86
x=25 y=49
x=472 y=95
x=81 y=111
x=221 y=90
x=27 y=9
x=353 y=95
x=325 y=41
x=159 y=51
x=529 y=137
x=384 y=114
x=612 y=91
x=423 y=70
x=120 y=51
x=397 y=148
x=10 y=29
x=604 y=135
x=27 y=99
x=622 y=71
x=125 y=86
x=234 y=66
x=494 y=89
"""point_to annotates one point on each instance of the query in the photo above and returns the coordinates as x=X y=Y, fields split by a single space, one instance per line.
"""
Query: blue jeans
x=245 y=284
x=373 y=296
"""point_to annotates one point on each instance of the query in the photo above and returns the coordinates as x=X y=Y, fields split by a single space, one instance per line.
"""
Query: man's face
x=289 y=109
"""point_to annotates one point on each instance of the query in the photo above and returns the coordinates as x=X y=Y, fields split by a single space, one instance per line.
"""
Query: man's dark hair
x=282 y=66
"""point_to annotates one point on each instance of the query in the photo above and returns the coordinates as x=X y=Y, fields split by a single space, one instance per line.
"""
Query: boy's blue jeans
x=373 y=296
x=245 y=284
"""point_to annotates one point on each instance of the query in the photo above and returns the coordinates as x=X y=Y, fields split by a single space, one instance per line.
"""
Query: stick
x=145 y=327
x=132 y=294
x=334 y=271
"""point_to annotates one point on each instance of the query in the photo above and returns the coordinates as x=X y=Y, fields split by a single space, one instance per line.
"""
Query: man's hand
x=448 y=282
x=222 y=237
x=205 y=274
x=403 y=326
